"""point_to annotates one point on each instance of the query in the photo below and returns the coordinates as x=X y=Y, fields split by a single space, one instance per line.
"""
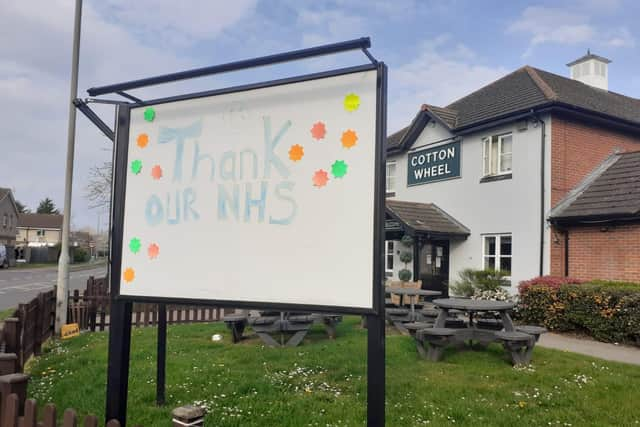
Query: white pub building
x=474 y=183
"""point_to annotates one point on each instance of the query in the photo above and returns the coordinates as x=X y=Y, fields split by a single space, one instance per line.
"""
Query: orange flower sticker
x=143 y=140
x=319 y=130
x=153 y=251
x=156 y=172
x=296 y=152
x=129 y=275
x=320 y=178
x=349 y=138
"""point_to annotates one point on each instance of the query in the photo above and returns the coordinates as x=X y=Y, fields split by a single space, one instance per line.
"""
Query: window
x=391 y=176
x=496 y=154
x=40 y=233
x=4 y=220
x=496 y=252
x=388 y=263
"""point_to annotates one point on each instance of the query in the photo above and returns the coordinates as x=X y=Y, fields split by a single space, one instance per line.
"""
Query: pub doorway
x=433 y=266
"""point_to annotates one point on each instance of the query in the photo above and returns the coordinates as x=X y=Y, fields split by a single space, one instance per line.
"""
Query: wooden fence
x=11 y=415
x=31 y=325
x=90 y=309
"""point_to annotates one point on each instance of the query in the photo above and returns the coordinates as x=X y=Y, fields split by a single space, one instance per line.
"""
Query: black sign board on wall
x=434 y=164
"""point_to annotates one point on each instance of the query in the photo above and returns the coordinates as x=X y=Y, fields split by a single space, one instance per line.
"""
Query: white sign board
x=265 y=195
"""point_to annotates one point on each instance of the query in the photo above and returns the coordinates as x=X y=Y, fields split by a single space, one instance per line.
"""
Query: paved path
x=21 y=285
x=617 y=353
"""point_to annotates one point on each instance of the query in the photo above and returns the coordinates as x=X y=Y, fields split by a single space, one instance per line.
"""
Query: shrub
x=478 y=280
x=80 y=255
x=405 y=275
x=607 y=311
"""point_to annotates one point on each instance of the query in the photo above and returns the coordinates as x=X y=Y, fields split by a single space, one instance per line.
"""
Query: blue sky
x=437 y=51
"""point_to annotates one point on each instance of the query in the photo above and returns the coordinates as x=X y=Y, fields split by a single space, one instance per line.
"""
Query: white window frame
x=487 y=155
x=498 y=255
x=389 y=246
x=391 y=188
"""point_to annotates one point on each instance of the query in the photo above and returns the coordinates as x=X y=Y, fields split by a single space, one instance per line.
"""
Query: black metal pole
x=361 y=43
x=162 y=354
x=376 y=322
x=118 y=368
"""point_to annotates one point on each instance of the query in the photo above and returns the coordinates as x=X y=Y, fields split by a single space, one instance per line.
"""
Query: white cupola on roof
x=591 y=69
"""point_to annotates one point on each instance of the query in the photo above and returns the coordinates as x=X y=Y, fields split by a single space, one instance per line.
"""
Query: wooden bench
x=236 y=323
x=437 y=339
x=329 y=321
x=518 y=344
x=536 y=331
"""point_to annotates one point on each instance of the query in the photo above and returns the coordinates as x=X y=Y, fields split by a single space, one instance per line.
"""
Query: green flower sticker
x=351 y=102
x=339 y=169
x=149 y=114
x=135 y=245
x=136 y=166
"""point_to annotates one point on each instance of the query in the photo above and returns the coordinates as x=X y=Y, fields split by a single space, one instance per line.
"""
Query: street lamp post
x=63 y=262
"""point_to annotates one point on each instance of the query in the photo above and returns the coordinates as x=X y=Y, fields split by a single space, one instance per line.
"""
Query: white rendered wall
x=507 y=206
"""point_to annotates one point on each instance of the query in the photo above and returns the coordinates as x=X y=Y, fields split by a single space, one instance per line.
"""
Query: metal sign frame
x=120 y=179
x=121 y=306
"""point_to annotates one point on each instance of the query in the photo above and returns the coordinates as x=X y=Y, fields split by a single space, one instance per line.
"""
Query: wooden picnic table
x=519 y=342
x=471 y=307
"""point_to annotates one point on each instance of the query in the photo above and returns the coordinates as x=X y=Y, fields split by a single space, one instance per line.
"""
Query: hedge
x=607 y=311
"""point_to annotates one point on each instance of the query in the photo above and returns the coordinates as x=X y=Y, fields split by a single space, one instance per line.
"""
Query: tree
x=47 y=206
x=98 y=190
x=23 y=209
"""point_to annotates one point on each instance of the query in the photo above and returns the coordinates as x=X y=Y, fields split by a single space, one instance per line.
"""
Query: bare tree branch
x=98 y=189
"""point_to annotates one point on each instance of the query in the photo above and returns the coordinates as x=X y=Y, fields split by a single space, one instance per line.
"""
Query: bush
x=607 y=311
x=405 y=275
x=477 y=281
x=80 y=255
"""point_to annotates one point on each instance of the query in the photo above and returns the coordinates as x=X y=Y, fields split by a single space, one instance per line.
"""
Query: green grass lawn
x=323 y=382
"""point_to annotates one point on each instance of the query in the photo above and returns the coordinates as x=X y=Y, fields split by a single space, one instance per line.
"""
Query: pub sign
x=434 y=164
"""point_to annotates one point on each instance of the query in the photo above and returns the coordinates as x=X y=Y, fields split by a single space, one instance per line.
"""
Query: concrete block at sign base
x=8 y=363
x=14 y=384
x=188 y=415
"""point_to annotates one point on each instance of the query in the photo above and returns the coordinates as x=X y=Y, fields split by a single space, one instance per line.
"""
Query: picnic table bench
x=518 y=342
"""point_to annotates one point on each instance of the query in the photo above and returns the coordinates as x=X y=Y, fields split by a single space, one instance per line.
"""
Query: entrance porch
x=431 y=230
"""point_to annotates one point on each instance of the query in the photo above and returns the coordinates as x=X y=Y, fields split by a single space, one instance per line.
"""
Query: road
x=21 y=285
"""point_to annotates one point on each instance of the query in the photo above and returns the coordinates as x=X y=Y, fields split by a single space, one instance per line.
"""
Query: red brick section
x=577 y=148
x=611 y=253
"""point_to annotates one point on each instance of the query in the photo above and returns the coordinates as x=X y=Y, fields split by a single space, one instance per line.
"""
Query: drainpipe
x=542 y=193
x=566 y=252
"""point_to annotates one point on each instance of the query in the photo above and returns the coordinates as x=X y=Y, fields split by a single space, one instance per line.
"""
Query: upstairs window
x=391 y=176
x=496 y=154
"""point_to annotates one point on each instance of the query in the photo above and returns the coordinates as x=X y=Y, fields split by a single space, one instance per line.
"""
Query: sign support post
x=161 y=361
x=118 y=367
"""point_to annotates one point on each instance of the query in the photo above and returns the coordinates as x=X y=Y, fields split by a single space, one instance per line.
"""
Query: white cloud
x=570 y=25
x=442 y=72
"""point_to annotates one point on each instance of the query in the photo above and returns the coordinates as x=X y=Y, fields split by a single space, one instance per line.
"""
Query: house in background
x=8 y=222
x=38 y=237
x=474 y=183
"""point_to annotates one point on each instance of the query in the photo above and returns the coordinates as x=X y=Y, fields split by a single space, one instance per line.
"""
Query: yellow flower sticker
x=351 y=102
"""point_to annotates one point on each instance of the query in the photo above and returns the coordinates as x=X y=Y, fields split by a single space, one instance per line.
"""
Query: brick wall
x=577 y=148
x=613 y=254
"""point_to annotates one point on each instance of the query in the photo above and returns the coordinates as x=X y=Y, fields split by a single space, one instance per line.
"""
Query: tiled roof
x=31 y=220
x=425 y=217
x=523 y=90
x=4 y=192
x=612 y=191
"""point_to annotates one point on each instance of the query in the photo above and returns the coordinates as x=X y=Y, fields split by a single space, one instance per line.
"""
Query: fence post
x=12 y=337
x=37 y=344
x=188 y=416
x=8 y=363
x=14 y=384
